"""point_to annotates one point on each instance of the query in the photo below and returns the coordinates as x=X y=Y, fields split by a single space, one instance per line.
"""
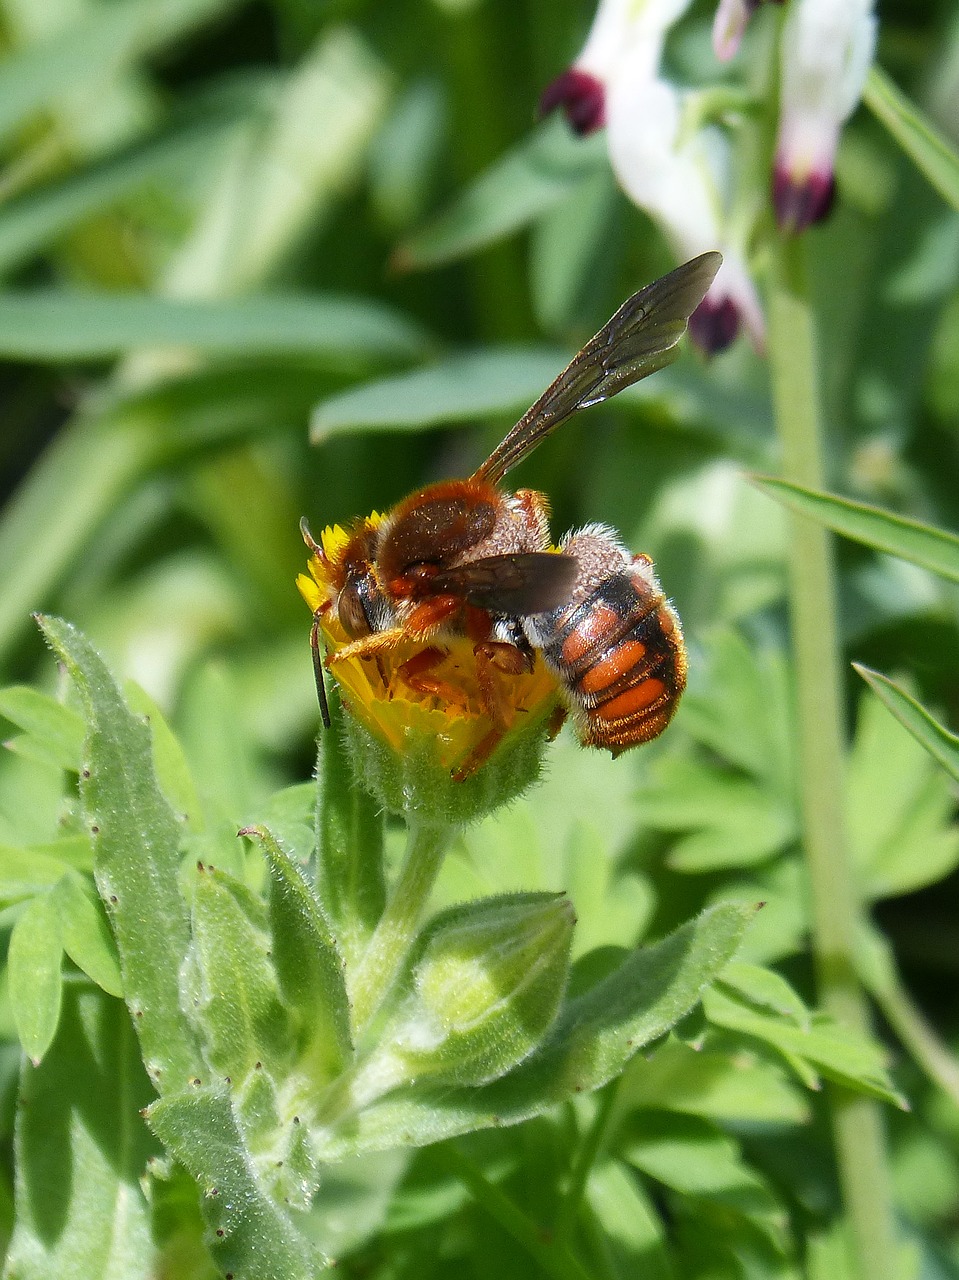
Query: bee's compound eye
x=350 y=611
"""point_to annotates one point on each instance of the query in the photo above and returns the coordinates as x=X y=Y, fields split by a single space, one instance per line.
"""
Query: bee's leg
x=368 y=646
x=493 y=656
x=498 y=656
x=535 y=509
x=414 y=673
x=479 y=755
x=429 y=615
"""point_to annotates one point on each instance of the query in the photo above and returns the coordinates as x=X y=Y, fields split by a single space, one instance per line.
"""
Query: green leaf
x=86 y=934
x=936 y=738
x=899 y=807
x=743 y=711
x=593 y=1038
x=34 y=959
x=733 y=1088
x=766 y=991
x=696 y=1158
x=30 y=223
x=350 y=878
x=59 y=325
x=222 y=759
x=459 y=388
x=252 y=1236
x=81 y=1149
x=308 y=968
x=406 y=153
x=566 y=248
x=921 y=544
x=137 y=841
x=520 y=186
x=28 y=871
x=734 y=821
x=100 y=44
x=632 y=1228
x=849 y=1059
x=915 y=133
x=179 y=1229
x=283 y=173
x=57 y=728
x=232 y=987
x=169 y=760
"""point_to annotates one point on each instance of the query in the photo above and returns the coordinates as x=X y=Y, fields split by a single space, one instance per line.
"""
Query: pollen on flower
x=420 y=691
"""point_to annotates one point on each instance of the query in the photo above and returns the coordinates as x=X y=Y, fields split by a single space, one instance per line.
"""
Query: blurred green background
x=261 y=260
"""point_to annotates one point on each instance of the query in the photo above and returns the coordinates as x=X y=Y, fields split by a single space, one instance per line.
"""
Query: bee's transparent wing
x=521 y=584
x=639 y=339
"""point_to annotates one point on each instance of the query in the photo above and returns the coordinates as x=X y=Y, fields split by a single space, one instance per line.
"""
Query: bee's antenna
x=314 y=546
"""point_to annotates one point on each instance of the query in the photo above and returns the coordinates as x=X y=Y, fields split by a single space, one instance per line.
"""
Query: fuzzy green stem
x=856 y=1122
x=552 y=1256
x=398 y=925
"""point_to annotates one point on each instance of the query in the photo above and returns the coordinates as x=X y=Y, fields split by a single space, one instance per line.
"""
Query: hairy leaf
x=81 y=1150
x=136 y=841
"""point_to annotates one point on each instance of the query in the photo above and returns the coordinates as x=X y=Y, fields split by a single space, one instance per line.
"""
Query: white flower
x=827 y=48
x=676 y=179
x=672 y=173
x=732 y=18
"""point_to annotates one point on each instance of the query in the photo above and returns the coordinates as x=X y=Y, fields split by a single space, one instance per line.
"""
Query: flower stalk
x=836 y=906
x=393 y=936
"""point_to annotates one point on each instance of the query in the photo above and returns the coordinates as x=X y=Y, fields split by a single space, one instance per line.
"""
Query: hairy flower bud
x=483 y=991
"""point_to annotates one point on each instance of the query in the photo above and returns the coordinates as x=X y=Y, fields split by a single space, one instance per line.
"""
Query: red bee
x=463 y=557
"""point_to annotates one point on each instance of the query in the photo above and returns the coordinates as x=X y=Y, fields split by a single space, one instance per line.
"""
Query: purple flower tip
x=582 y=97
x=799 y=205
x=714 y=324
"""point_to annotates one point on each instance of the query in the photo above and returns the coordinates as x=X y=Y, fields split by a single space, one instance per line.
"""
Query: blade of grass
x=915 y=133
x=936 y=738
x=922 y=544
x=30 y=223
x=61 y=325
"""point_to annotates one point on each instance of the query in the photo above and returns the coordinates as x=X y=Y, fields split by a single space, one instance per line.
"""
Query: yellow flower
x=443 y=723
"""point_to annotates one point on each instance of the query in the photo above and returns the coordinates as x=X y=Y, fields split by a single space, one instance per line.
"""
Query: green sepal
x=350 y=877
x=485 y=986
x=414 y=781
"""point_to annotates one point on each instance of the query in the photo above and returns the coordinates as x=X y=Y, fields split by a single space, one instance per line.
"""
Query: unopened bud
x=483 y=992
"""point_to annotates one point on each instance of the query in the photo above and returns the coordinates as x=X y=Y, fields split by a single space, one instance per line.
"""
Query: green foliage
x=265 y=260
x=240 y=1002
